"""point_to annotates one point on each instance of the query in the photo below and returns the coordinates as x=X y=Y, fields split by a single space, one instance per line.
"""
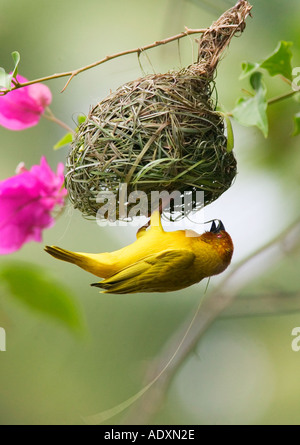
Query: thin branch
x=215 y=304
x=285 y=79
x=273 y=100
x=282 y=97
x=73 y=73
x=51 y=117
x=268 y=304
x=107 y=414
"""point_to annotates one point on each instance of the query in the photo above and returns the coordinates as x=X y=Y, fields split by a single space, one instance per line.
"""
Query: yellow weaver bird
x=157 y=261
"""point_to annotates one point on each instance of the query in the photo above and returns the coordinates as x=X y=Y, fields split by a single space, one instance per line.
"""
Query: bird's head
x=220 y=240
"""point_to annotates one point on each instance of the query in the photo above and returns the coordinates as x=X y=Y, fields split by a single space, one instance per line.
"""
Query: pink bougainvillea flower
x=23 y=107
x=27 y=201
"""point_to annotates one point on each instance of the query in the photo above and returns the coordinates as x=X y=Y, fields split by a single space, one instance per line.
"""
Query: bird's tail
x=89 y=262
x=65 y=255
x=100 y=265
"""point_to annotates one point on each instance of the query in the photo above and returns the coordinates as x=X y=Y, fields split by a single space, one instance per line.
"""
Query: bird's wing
x=153 y=273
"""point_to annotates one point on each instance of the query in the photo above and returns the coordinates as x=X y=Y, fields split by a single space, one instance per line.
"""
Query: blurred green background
x=243 y=370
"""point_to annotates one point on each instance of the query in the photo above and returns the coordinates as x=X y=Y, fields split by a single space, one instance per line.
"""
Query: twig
x=73 y=73
x=106 y=415
x=267 y=304
x=273 y=100
x=282 y=96
x=220 y=299
x=51 y=117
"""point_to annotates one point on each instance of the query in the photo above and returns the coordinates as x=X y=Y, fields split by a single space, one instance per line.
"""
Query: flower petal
x=26 y=202
x=22 y=108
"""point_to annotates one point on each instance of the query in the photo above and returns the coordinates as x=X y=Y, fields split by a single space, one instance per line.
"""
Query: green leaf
x=253 y=111
x=248 y=68
x=16 y=58
x=279 y=62
x=5 y=79
x=257 y=83
x=65 y=140
x=230 y=136
x=296 y=125
x=81 y=119
x=37 y=289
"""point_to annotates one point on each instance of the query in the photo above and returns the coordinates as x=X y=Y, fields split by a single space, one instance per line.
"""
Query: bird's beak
x=216 y=228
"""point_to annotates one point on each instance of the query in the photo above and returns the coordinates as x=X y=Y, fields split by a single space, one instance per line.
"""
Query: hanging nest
x=158 y=133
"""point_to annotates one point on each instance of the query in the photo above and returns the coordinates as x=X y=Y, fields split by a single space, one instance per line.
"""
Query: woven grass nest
x=158 y=133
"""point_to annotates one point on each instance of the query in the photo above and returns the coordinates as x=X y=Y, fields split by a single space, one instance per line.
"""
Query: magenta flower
x=26 y=204
x=22 y=108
